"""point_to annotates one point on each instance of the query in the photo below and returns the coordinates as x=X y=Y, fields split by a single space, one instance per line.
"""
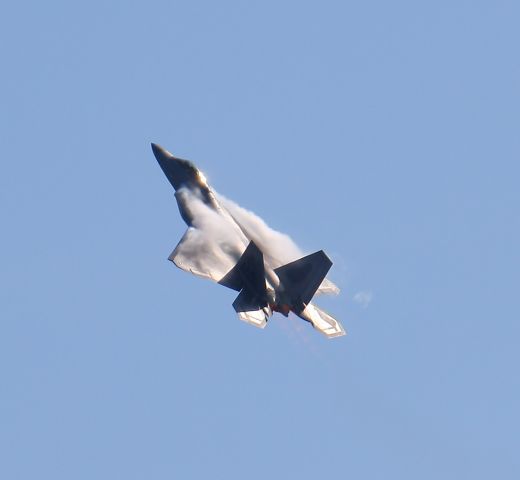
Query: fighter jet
x=232 y=247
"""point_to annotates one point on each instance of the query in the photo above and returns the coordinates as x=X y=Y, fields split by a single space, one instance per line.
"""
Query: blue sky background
x=385 y=133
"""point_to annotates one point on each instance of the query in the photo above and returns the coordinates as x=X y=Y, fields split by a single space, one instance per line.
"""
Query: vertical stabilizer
x=248 y=277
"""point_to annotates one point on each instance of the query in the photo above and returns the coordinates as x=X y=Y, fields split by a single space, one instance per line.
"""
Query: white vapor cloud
x=363 y=298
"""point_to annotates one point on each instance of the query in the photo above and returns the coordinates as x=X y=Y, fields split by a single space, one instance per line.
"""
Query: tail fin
x=248 y=277
x=302 y=278
x=248 y=273
x=322 y=321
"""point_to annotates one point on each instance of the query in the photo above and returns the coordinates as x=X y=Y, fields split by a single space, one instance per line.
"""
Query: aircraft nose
x=178 y=171
x=159 y=152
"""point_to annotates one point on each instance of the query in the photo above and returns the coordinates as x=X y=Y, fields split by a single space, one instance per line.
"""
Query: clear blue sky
x=386 y=133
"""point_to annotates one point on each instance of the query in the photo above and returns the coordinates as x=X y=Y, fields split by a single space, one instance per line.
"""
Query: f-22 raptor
x=223 y=244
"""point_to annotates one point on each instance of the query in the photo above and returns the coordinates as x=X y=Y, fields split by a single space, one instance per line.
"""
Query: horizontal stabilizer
x=322 y=321
x=257 y=318
x=302 y=277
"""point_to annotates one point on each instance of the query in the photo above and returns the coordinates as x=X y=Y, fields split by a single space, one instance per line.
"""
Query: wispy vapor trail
x=278 y=247
x=363 y=298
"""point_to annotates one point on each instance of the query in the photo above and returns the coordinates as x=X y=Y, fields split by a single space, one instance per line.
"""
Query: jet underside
x=228 y=245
